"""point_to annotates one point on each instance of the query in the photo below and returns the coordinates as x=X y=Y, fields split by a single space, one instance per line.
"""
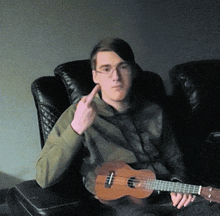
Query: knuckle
x=83 y=99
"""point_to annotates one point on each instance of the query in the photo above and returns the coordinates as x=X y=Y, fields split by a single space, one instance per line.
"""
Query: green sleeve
x=59 y=150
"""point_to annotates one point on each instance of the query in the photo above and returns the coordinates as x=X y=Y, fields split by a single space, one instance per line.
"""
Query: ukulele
x=117 y=179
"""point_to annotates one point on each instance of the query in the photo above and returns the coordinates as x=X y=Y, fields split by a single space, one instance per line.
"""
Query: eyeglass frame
x=109 y=74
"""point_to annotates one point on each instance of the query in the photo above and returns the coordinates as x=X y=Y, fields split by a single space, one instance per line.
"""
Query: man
x=114 y=123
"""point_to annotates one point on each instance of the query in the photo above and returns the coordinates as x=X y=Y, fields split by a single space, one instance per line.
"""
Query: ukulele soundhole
x=132 y=181
x=110 y=179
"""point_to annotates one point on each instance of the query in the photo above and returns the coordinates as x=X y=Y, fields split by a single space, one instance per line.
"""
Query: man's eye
x=106 y=70
x=123 y=67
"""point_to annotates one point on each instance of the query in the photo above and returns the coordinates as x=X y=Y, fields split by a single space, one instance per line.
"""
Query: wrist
x=78 y=130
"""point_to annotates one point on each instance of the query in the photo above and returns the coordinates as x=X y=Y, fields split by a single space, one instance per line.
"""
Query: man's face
x=113 y=74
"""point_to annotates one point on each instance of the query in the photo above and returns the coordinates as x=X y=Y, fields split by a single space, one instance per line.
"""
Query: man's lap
x=125 y=207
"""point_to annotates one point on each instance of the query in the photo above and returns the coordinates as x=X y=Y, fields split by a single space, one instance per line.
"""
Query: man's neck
x=119 y=106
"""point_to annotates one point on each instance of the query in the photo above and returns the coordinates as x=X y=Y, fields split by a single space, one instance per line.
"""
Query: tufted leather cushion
x=77 y=78
x=51 y=100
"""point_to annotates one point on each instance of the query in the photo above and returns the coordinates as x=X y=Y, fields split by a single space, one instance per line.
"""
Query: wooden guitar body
x=117 y=179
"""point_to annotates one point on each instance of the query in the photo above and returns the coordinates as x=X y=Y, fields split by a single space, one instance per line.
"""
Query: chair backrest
x=196 y=116
x=77 y=78
x=72 y=80
x=51 y=100
x=196 y=92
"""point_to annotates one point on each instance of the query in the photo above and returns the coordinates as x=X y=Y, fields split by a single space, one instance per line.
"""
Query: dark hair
x=117 y=45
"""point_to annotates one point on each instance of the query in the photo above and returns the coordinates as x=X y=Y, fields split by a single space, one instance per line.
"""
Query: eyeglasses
x=123 y=68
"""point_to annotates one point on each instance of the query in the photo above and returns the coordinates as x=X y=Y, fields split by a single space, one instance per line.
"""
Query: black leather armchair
x=195 y=111
x=52 y=96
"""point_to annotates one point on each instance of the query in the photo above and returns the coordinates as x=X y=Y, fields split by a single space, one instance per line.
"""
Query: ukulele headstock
x=211 y=194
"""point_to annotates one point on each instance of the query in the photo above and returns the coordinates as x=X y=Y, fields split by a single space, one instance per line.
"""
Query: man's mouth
x=117 y=86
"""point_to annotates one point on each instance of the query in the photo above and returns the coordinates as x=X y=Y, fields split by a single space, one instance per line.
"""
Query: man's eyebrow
x=106 y=65
x=109 y=65
x=123 y=62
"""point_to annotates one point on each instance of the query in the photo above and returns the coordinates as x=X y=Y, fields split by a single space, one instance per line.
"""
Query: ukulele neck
x=173 y=187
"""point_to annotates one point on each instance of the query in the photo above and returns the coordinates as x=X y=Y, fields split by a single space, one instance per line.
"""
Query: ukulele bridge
x=109 y=179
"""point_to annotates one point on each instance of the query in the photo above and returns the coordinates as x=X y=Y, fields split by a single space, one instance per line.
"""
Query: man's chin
x=119 y=98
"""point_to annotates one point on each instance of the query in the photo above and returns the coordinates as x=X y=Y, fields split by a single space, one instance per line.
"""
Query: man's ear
x=94 y=76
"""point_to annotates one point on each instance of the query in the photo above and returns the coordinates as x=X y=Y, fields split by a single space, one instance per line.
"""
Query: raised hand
x=85 y=112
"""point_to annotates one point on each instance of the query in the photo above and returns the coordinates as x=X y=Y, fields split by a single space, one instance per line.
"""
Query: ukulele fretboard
x=172 y=186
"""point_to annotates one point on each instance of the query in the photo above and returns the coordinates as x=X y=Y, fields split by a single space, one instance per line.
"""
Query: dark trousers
x=160 y=207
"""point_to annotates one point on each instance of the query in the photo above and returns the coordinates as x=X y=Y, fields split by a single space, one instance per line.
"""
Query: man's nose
x=115 y=74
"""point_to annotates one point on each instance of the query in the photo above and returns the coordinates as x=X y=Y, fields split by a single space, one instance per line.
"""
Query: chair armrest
x=28 y=198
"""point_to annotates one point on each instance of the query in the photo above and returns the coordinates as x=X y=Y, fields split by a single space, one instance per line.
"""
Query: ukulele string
x=140 y=182
x=156 y=184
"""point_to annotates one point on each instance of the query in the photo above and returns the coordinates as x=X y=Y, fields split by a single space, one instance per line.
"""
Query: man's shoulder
x=149 y=105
